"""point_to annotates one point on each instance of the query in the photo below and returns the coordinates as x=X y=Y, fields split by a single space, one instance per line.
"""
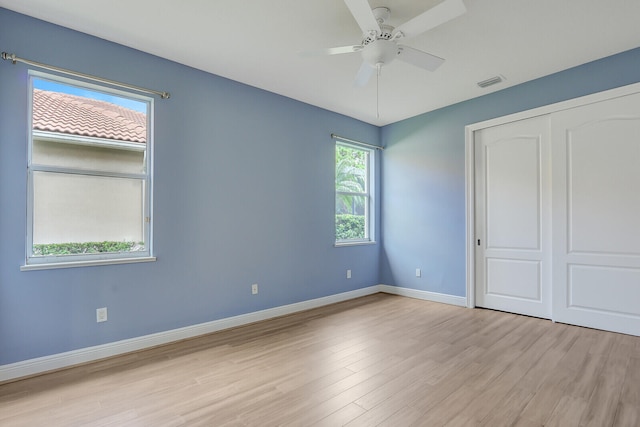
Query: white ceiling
x=258 y=42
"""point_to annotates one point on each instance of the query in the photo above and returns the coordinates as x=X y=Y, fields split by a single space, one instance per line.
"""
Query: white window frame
x=369 y=224
x=81 y=260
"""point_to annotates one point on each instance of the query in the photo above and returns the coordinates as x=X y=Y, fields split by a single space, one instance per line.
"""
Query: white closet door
x=513 y=217
x=596 y=219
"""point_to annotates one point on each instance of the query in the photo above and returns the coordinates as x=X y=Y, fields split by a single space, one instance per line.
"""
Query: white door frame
x=470 y=165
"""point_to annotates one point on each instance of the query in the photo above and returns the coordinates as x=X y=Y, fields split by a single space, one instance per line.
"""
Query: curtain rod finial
x=10 y=56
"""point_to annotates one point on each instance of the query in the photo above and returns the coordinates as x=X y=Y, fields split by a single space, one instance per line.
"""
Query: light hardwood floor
x=378 y=360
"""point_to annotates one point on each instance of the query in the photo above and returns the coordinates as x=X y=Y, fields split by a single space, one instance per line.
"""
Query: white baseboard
x=425 y=295
x=40 y=365
x=54 y=362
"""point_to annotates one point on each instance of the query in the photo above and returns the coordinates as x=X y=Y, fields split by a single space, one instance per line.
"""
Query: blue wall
x=244 y=193
x=423 y=170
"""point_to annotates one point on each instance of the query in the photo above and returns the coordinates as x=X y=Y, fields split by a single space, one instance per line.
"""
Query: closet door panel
x=596 y=219
x=513 y=218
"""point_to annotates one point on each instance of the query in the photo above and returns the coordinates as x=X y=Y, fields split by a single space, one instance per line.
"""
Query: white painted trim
x=424 y=295
x=86 y=263
x=343 y=244
x=470 y=202
x=40 y=365
x=470 y=162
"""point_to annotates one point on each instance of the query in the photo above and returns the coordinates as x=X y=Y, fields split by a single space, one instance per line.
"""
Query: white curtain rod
x=353 y=141
x=13 y=58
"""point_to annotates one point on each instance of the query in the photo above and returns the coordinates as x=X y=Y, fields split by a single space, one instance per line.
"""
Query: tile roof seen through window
x=77 y=115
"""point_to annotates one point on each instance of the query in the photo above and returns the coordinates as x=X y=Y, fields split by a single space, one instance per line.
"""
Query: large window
x=89 y=174
x=354 y=166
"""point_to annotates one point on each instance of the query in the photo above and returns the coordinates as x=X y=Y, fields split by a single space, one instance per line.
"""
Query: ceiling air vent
x=491 y=81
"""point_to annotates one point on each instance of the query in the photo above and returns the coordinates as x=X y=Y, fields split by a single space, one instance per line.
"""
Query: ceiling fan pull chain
x=379 y=67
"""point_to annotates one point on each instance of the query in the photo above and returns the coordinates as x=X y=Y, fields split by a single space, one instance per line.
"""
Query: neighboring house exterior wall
x=71 y=199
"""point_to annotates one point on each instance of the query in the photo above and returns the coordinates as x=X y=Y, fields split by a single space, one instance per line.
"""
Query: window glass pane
x=351 y=217
x=347 y=204
x=351 y=169
x=75 y=209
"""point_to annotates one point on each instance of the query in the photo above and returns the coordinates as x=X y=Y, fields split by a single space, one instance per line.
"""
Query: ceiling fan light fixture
x=491 y=81
x=379 y=52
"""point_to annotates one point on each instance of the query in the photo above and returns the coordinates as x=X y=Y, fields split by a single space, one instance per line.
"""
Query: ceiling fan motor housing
x=381 y=15
x=379 y=48
x=386 y=33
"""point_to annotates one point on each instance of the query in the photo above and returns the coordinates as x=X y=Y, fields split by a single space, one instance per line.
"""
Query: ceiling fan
x=380 y=43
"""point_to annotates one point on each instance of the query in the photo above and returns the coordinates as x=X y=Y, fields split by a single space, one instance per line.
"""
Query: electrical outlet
x=418 y=272
x=348 y=274
x=101 y=314
x=254 y=289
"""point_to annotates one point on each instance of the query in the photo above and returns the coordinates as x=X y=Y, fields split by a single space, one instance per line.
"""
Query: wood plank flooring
x=379 y=360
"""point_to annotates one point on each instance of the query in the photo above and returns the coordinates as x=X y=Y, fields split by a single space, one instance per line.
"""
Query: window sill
x=341 y=244
x=53 y=265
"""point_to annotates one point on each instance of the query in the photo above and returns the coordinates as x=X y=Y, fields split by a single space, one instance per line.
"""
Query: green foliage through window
x=85 y=248
x=349 y=227
x=350 y=178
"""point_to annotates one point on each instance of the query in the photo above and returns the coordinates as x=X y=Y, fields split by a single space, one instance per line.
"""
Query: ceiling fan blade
x=332 y=51
x=363 y=14
x=364 y=74
x=437 y=15
x=419 y=58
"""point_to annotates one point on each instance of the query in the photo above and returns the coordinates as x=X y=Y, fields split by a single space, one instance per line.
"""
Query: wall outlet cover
x=101 y=314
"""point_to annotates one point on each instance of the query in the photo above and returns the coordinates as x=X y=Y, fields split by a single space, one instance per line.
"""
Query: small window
x=354 y=166
x=89 y=173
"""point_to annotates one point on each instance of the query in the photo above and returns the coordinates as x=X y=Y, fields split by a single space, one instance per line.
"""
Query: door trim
x=469 y=161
